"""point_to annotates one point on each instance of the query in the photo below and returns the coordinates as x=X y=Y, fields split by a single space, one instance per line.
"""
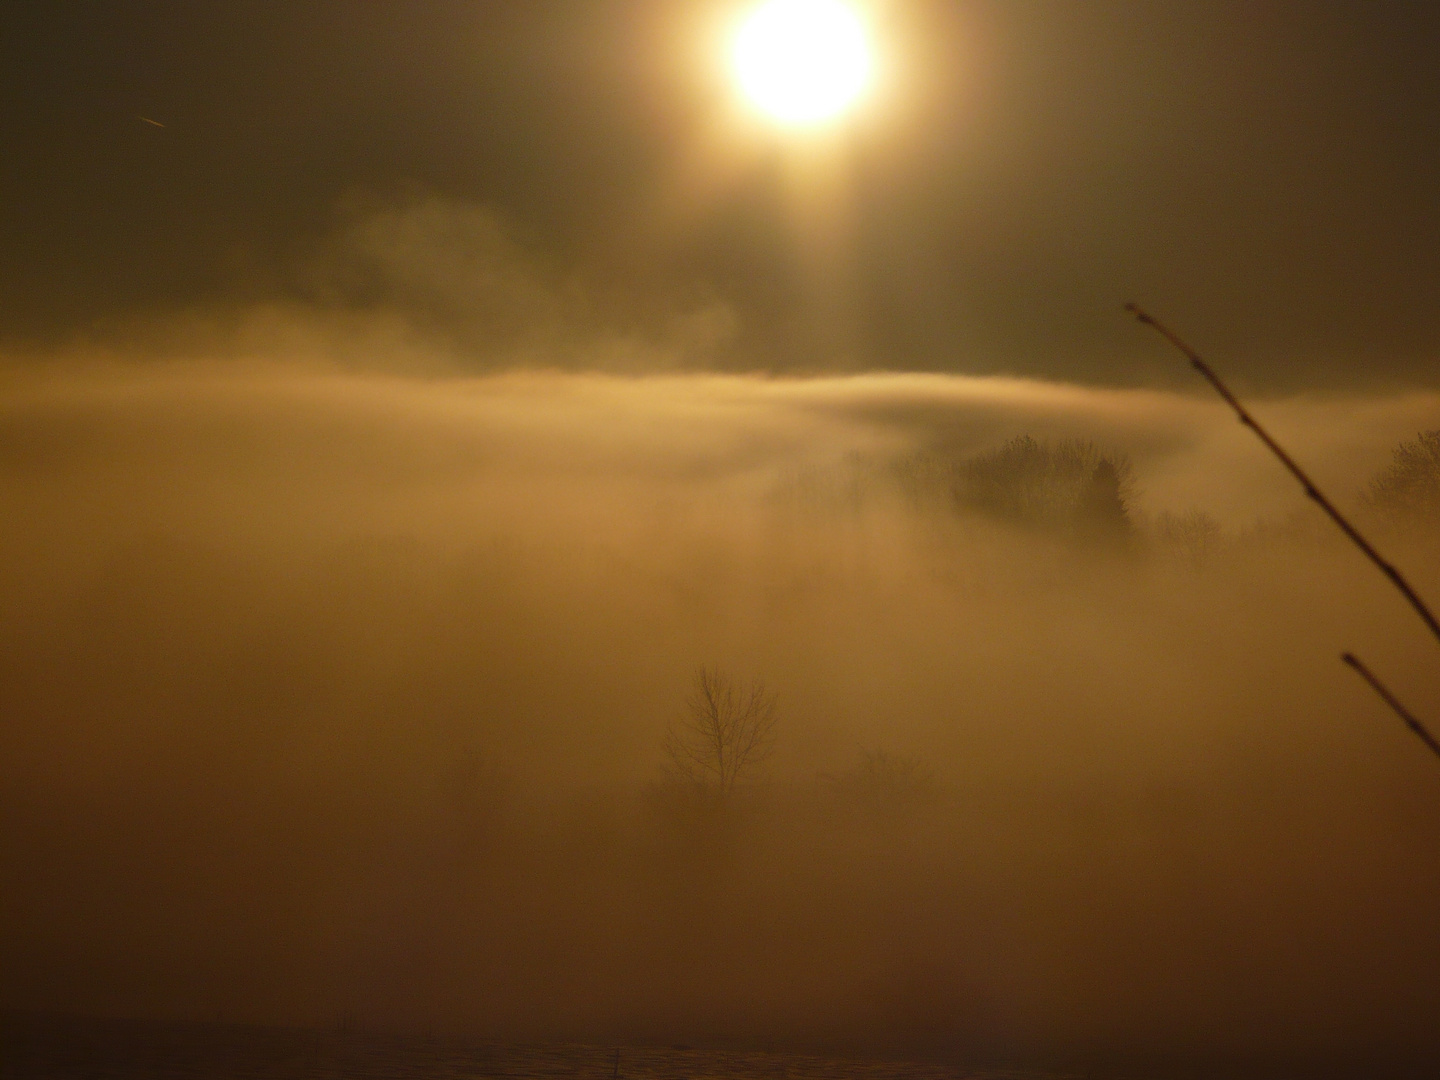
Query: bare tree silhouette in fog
x=1192 y=536
x=1408 y=490
x=887 y=784
x=726 y=731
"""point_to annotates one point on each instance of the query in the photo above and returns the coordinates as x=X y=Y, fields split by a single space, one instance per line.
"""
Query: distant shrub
x=1409 y=489
x=887 y=783
x=1192 y=536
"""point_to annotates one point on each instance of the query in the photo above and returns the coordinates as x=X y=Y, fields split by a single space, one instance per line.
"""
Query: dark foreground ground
x=90 y=1049
x=73 y=1048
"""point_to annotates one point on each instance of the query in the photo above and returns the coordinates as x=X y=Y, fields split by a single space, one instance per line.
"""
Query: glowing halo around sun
x=802 y=62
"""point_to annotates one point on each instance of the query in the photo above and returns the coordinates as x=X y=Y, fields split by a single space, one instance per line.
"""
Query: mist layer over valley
x=333 y=693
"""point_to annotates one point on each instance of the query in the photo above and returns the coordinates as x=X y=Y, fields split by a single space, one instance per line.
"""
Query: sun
x=802 y=62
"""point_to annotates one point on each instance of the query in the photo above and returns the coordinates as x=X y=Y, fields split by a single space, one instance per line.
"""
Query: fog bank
x=340 y=693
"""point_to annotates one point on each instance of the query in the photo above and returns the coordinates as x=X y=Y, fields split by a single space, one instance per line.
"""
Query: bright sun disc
x=802 y=61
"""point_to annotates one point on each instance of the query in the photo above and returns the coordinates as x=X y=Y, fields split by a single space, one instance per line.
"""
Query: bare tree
x=726 y=731
x=1192 y=536
x=1409 y=490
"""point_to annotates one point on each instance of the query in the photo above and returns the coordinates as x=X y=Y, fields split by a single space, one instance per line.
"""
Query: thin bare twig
x=1386 y=568
x=1405 y=714
x=1396 y=578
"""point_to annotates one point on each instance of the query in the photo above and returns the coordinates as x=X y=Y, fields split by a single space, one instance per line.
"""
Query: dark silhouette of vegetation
x=1316 y=496
x=1071 y=488
x=1408 y=490
x=1063 y=484
x=1193 y=536
x=885 y=783
x=725 y=732
x=1101 y=513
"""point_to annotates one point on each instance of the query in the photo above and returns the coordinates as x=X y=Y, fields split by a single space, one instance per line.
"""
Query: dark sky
x=1264 y=173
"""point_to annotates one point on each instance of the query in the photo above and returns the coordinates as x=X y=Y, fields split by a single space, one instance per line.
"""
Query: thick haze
x=343 y=693
x=388 y=438
x=1262 y=172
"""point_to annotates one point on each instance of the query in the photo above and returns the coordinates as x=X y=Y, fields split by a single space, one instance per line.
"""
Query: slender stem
x=1396 y=578
x=1405 y=714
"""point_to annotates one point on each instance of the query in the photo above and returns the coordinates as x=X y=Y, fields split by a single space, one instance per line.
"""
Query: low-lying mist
x=340 y=694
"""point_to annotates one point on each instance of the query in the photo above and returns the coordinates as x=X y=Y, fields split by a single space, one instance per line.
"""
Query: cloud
x=426 y=285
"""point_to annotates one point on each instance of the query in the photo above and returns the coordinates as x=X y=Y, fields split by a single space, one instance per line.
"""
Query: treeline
x=1075 y=490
